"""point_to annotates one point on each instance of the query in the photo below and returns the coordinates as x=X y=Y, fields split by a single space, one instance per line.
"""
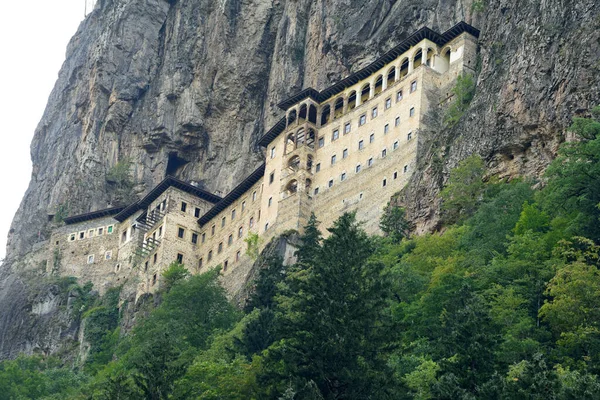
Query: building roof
x=406 y=44
x=92 y=215
x=235 y=194
x=159 y=189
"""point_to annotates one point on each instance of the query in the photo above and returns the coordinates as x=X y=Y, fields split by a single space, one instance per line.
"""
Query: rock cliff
x=187 y=87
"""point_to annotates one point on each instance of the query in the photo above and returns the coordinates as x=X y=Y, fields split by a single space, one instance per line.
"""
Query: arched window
x=294 y=163
x=291 y=117
x=292 y=187
x=365 y=92
x=429 y=57
x=443 y=62
x=352 y=100
x=310 y=139
x=308 y=184
x=378 y=85
x=391 y=76
x=300 y=137
x=325 y=114
x=312 y=114
x=403 y=68
x=339 y=107
x=290 y=143
x=303 y=111
x=418 y=59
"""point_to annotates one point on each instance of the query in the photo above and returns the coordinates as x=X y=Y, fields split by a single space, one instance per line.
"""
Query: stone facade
x=347 y=148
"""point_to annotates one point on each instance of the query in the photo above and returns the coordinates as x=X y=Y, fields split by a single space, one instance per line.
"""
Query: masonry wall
x=248 y=217
x=92 y=257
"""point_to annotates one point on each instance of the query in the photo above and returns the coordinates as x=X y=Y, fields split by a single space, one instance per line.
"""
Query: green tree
x=332 y=323
x=394 y=224
x=174 y=274
x=464 y=191
x=573 y=188
x=463 y=92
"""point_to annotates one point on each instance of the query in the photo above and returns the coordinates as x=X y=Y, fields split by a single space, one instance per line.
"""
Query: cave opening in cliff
x=174 y=164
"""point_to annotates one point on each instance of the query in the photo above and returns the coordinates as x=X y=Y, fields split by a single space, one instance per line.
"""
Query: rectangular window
x=270 y=201
x=330 y=184
x=183 y=206
x=271 y=177
x=343 y=176
x=222 y=222
x=316 y=191
x=347 y=127
x=272 y=152
x=361 y=144
x=194 y=238
x=321 y=141
x=240 y=231
x=358 y=168
x=146 y=266
x=388 y=103
x=395 y=145
x=251 y=223
x=200 y=261
x=100 y=231
x=243 y=206
x=108 y=255
x=160 y=231
x=333 y=159
x=109 y=230
x=155 y=258
x=345 y=153
x=233 y=214
x=371 y=138
x=266 y=226
x=82 y=235
x=413 y=86
x=399 y=95
x=153 y=279
x=409 y=136
x=180 y=233
x=370 y=162
x=412 y=112
x=386 y=128
x=230 y=240
x=254 y=195
x=383 y=153
x=197 y=212
x=180 y=258
x=397 y=122
x=374 y=112
x=210 y=255
x=318 y=167
x=72 y=237
x=91 y=233
x=405 y=168
x=220 y=248
x=395 y=174
x=335 y=135
x=212 y=230
x=124 y=237
x=384 y=183
x=90 y=259
x=225 y=265
x=238 y=255
x=203 y=237
x=362 y=120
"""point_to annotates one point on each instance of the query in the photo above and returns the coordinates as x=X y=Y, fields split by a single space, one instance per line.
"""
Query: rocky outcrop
x=186 y=88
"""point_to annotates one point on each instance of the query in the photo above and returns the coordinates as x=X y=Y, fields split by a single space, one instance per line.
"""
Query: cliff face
x=187 y=87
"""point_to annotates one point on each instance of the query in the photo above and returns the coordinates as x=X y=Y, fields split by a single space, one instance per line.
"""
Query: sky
x=33 y=40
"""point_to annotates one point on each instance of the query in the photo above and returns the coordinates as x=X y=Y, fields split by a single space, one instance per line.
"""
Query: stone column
x=384 y=82
x=410 y=65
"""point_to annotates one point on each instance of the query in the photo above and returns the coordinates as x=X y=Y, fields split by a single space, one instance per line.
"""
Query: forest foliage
x=502 y=303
